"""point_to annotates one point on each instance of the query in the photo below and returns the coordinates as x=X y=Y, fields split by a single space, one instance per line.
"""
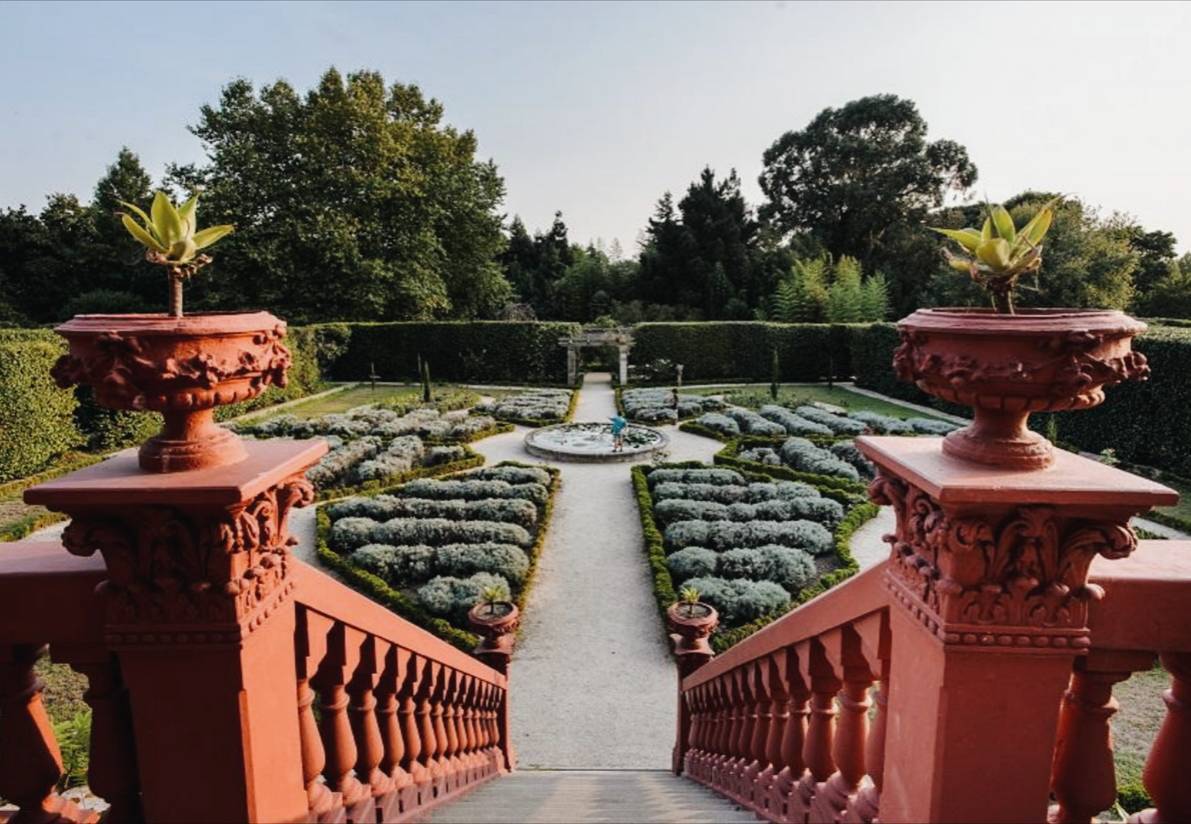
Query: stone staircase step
x=580 y=796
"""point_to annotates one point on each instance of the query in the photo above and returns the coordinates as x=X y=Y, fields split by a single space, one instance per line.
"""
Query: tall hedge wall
x=476 y=351
x=36 y=417
x=872 y=348
x=743 y=350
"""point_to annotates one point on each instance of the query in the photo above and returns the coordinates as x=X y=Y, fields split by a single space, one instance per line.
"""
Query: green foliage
x=36 y=417
x=743 y=350
x=860 y=179
x=871 y=355
x=362 y=183
x=479 y=351
x=170 y=233
x=427 y=394
x=74 y=742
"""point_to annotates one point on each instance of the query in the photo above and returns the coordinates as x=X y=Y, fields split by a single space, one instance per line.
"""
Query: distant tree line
x=356 y=201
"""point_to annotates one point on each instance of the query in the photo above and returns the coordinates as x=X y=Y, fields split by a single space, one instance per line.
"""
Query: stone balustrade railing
x=367 y=717
x=824 y=717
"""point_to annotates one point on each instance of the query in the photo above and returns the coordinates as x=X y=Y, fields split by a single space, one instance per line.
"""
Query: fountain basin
x=592 y=442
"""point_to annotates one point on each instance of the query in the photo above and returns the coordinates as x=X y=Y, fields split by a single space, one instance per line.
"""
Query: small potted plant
x=1006 y=362
x=182 y=366
x=495 y=619
x=691 y=621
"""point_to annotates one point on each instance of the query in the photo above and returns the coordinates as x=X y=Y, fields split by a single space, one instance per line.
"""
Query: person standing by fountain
x=619 y=424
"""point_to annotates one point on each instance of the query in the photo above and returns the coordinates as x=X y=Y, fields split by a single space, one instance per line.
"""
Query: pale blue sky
x=596 y=109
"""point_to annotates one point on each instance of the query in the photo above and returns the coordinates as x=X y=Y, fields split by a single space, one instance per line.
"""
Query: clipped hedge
x=743 y=350
x=36 y=417
x=474 y=351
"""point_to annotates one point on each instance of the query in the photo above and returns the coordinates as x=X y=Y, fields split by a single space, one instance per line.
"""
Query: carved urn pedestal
x=988 y=577
x=199 y=615
x=496 y=623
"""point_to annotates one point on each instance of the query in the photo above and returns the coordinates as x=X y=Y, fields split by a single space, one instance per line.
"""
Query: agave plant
x=999 y=253
x=171 y=238
x=491 y=596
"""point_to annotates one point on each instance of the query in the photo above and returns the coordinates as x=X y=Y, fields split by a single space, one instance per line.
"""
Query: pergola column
x=624 y=364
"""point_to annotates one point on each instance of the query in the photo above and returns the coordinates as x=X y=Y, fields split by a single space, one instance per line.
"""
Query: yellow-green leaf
x=967 y=238
x=960 y=264
x=139 y=212
x=1003 y=223
x=140 y=234
x=211 y=234
x=186 y=212
x=994 y=253
x=165 y=220
x=1039 y=224
x=986 y=231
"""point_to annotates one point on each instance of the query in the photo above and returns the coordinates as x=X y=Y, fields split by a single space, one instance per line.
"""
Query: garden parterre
x=429 y=548
x=665 y=405
x=535 y=407
x=750 y=544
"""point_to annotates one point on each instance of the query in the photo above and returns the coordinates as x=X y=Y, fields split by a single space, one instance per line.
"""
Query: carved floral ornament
x=1078 y=372
x=167 y=566
x=1015 y=578
x=123 y=371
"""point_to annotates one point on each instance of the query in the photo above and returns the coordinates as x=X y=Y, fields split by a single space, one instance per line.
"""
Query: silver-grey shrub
x=680 y=509
x=793 y=424
x=398 y=565
x=836 y=423
x=719 y=423
x=789 y=567
x=506 y=560
x=692 y=562
x=721 y=477
x=724 y=535
x=753 y=424
x=741 y=600
x=510 y=474
x=930 y=426
x=452 y=597
x=351 y=533
x=847 y=451
x=439 y=531
x=884 y=424
x=473 y=490
x=733 y=493
x=384 y=507
x=761 y=455
x=804 y=456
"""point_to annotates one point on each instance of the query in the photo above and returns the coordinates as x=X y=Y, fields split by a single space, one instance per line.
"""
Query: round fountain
x=592 y=442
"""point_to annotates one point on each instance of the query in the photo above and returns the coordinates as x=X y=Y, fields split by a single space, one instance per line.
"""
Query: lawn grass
x=361 y=394
x=755 y=394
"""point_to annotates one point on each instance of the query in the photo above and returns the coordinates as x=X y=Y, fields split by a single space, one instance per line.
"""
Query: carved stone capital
x=191 y=574
x=997 y=576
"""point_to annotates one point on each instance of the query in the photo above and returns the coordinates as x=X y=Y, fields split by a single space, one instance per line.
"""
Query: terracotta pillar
x=572 y=365
x=199 y=611
x=989 y=582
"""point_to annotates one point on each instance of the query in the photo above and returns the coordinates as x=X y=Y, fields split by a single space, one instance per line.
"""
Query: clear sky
x=596 y=109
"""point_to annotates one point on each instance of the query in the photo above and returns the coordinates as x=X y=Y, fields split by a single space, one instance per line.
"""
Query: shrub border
x=728 y=457
x=538 y=423
x=471 y=460
x=377 y=589
x=663 y=584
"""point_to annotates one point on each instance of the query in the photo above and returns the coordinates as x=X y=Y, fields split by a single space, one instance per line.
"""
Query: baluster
x=461 y=710
x=466 y=720
x=820 y=733
x=30 y=761
x=708 y=730
x=877 y=641
x=760 y=733
x=438 y=764
x=1165 y=774
x=724 y=735
x=423 y=774
x=387 y=715
x=844 y=650
x=111 y=768
x=1083 y=777
x=692 y=743
x=778 y=714
x=785 y=784
x=330 y=682
x=743 y=736
x=450 y=750
x=370 y=749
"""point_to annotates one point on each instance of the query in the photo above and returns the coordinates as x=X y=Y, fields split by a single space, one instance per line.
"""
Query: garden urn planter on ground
x=1006 y=366
x=691 y=624
x=496 y=622
x=183 y=367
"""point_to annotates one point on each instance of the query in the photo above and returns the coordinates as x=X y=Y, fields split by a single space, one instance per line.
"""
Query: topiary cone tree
x=171 y=238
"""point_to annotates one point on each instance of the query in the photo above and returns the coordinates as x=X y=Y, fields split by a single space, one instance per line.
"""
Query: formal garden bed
x=663 y=404
x=429 y=549
x=754 y=546
x=534 y=407
x=373 y=447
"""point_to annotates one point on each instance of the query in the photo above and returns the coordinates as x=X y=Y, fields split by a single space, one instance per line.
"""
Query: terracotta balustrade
x=980 y=657
x=354 y=666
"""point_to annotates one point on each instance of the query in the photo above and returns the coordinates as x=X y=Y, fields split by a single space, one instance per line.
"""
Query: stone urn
x=496 y=622
x=1007 y=366
x=183 y=367
x=690 y=626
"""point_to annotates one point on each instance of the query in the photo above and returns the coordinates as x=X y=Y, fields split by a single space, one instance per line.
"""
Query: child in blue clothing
x=619 y=425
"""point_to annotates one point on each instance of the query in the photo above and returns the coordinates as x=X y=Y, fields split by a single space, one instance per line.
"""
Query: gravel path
x=592 y=611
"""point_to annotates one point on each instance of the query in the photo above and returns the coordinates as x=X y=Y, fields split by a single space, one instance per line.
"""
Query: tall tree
x=355 y=181
x=856 y=177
